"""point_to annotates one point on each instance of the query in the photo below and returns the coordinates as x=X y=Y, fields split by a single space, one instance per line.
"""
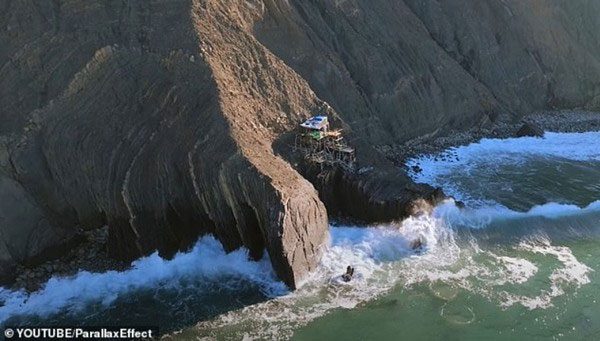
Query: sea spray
x=206 y=263
x=473 y=172
x=570 y=146
x=454 y=259
x=510 y=258
x=553 y=167
x=381 y=255
x=383 y=258
x=482 y=217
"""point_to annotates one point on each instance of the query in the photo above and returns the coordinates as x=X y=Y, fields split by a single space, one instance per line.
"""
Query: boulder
x=530 y=129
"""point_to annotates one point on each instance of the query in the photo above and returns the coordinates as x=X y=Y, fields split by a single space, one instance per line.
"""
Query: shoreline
x=90 y=254
x=563 y=121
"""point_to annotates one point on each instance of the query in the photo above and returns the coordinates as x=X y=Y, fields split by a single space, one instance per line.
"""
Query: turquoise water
x=520 y=262
x=547 y=260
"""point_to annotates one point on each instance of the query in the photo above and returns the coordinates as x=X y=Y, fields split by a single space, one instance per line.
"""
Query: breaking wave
x=483 y=217
x=456 y=256
x=379 y=255
x=486 y=160
x=530 y=269
x=383 y=259
x=207 y=265
x=382 y=256
x=570 y=146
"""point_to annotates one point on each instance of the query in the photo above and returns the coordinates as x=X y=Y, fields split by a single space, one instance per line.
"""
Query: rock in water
x=530 y=129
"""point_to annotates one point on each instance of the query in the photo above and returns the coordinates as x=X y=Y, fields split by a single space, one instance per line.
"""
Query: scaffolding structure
x=324 y=147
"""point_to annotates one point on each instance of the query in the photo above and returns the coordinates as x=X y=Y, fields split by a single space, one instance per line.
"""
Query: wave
x=206 y=263
x=491 y=154
x=570 y=146
x=379 y=254
x=382 y=256
x=375 y=253
x=383 y=260
x=482 y=217
x=464 y=172
x=451 y=261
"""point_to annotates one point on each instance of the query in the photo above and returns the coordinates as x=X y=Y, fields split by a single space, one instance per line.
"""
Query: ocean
x=521 y=261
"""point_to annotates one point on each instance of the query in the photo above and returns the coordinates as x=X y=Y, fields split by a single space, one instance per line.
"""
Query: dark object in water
x=458 y=203
x=416 y=244
x=349 y=273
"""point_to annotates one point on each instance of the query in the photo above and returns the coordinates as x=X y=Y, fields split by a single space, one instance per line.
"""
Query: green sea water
x=560 y=300
x=442 y=311
x=520 y=262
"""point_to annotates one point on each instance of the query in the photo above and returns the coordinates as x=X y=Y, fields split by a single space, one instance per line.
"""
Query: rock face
x=155 y=137
x=400 y=69
x=376 y=192
x=530 y=129
x=167 y=119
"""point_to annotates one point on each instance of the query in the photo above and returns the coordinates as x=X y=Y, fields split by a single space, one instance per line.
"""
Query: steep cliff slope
x=152 y=140
x=169 y=119
x=401 y=69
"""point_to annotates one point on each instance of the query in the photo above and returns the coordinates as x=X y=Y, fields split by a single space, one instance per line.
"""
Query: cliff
x=166 y=120
x=396 y=70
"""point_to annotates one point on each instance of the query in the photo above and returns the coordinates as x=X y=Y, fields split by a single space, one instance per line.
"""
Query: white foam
x=379 y=255
x=481 y=217
x=495 y=152
x=518 y=270
x=490 y=154
x=572 y=274
x=488 y=274
x=383 y=259
x=206 y=261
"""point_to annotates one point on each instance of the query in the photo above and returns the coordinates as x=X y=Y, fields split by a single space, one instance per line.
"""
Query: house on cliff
x=323 y=146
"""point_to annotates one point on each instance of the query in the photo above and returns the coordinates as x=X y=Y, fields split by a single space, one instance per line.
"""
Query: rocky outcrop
x=375 y=192
x=530 y=129
x=147 y=139
x=167 y=120
x=26 y=233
